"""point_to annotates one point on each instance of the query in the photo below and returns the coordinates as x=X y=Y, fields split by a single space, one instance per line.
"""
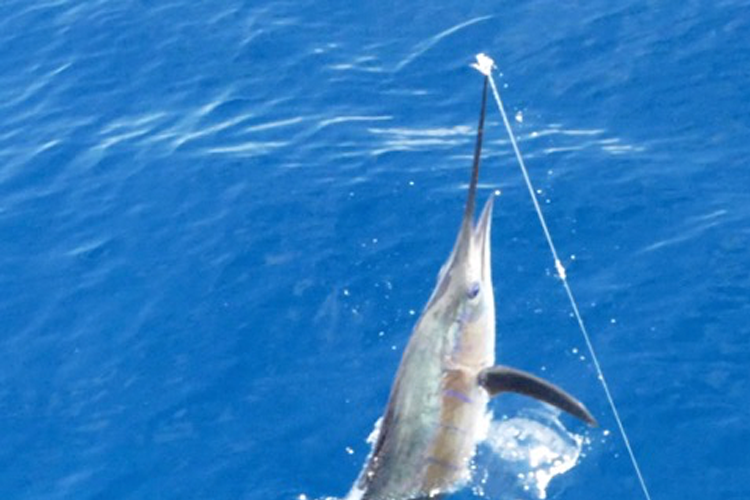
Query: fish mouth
x=471 y=260
x=481 y=240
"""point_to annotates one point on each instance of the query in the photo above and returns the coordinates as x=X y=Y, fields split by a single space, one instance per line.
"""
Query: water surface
x=219 y=220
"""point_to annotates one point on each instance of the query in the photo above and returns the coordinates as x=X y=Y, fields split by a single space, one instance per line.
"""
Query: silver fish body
x=438 y=402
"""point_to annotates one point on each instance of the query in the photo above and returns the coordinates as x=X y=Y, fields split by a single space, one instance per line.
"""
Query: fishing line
x=484 y=65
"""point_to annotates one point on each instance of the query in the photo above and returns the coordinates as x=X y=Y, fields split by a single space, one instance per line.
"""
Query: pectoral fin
x=505 y=379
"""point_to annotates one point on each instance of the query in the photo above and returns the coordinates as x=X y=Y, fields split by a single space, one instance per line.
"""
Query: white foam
x=531 y=455
x=355 y=493
x=484 y=64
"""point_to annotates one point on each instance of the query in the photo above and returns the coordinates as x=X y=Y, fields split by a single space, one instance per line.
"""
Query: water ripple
x=431 y=42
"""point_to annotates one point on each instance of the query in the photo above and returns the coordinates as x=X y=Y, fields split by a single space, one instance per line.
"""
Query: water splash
x=517 y=457
x=521 y=456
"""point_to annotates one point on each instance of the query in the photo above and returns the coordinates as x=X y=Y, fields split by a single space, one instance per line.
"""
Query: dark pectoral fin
x=504 y=379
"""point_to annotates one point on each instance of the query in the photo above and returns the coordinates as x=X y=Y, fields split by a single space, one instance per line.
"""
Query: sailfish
x=437 y=405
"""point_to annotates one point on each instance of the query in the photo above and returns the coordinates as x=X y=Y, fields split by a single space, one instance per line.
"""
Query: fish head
x=464 y=293
x=467 y=274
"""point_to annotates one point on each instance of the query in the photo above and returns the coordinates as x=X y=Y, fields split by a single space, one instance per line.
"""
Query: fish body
x=437 y=405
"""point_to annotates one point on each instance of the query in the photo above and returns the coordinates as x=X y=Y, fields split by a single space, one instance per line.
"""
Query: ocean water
x=220 y=220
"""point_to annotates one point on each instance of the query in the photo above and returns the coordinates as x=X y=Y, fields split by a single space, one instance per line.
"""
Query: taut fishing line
x=484 y=65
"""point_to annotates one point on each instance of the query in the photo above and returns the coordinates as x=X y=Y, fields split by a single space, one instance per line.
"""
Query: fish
x=437 y=406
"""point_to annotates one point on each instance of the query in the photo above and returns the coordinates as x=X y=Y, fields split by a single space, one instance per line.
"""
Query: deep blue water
x=217 y=220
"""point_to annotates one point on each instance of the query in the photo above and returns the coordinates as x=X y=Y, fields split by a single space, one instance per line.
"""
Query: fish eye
x=473 y=290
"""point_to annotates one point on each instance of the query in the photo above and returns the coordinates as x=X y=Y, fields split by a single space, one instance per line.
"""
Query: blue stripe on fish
x=458 y=395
